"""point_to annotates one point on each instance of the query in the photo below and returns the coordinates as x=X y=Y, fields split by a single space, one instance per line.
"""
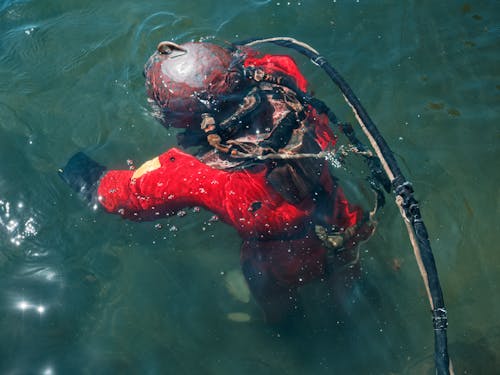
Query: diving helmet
x=186 y=80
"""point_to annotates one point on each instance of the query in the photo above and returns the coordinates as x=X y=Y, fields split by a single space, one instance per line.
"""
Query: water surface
x=86 y=292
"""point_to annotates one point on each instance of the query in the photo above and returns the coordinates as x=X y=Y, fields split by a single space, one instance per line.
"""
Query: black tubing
x=401 y=187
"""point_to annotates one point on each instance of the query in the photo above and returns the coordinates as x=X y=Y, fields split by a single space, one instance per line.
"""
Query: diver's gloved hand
x=82 y=174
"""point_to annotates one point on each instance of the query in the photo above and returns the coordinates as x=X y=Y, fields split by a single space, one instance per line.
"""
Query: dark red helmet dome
x=184 y=80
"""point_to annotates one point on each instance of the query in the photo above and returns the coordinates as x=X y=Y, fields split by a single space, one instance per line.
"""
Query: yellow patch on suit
x=148 y=166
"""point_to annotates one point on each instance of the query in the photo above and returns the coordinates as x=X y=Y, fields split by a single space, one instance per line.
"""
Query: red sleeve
x=240 y=198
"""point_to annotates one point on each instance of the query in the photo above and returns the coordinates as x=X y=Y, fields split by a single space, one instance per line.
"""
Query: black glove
x=82 y=174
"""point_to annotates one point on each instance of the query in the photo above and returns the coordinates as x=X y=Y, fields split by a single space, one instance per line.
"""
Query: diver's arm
x=176 y=180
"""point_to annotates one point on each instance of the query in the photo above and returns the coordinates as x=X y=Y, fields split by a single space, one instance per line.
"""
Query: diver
x=252 y=132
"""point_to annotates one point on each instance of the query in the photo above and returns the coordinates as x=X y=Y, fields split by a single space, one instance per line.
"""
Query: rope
x=404 y=198
x=328 y=155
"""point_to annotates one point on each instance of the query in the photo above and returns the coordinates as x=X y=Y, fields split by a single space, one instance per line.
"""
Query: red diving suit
x=295 y=222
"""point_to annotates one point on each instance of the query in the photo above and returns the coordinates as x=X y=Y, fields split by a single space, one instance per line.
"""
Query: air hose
x=403 y=191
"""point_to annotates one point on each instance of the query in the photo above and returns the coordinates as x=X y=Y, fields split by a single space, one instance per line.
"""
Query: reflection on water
x=24 y=305
x=17 y=230
x=84 y=292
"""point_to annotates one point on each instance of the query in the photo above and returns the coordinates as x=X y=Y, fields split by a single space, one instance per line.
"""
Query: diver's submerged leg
x=275 y=269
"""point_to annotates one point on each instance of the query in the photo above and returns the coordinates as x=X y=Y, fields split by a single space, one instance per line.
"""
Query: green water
x=84 y=292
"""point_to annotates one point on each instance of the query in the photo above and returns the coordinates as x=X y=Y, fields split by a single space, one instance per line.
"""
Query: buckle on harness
x=207 y=122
